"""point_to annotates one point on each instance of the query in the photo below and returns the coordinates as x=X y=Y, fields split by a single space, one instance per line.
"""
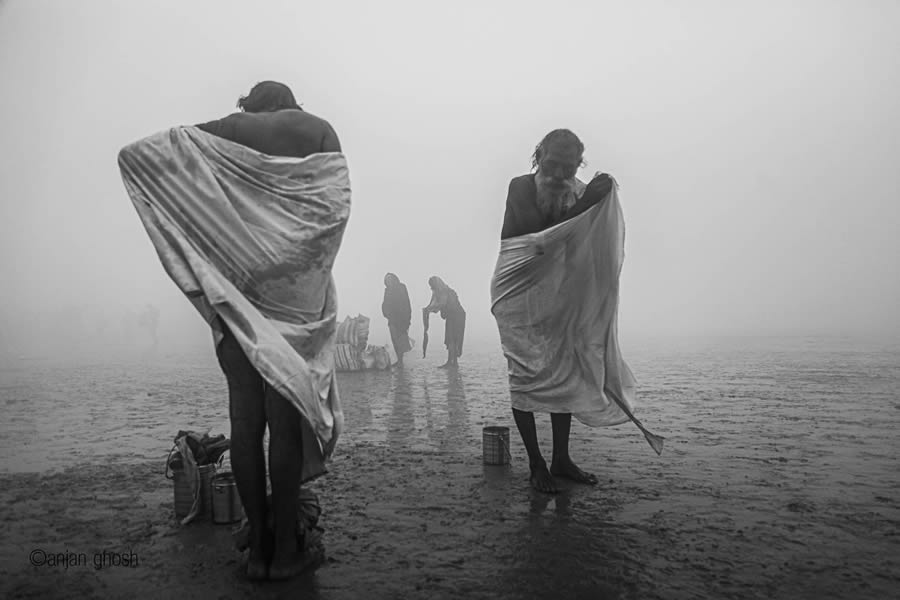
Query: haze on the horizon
x=756 y=145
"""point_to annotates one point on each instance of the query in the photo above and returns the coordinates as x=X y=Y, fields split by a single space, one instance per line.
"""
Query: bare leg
x=285 y=470
x=561 y=464
x=455 y=350
x=399 y=339
x=248 y=425
x=448 y=340
x=452 y=358
x=541 y=480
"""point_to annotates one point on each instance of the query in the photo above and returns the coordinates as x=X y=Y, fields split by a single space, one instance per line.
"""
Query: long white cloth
x=555 y=297
x=252 y=238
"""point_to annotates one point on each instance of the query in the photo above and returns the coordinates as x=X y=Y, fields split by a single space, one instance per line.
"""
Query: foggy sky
x=756 y=144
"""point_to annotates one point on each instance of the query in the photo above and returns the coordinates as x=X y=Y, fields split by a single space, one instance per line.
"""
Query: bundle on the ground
x=202 y=449
x=190 y=452
x=251 y=238
x=555 y=295
x=354 y=332
x=352 y=351
x=309 y=533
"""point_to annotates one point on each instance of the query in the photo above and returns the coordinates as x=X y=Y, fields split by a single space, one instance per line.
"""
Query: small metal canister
x=495 y=445
x=226 y=502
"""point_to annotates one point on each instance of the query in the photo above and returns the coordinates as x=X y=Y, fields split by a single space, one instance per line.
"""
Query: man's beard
x=554 y=201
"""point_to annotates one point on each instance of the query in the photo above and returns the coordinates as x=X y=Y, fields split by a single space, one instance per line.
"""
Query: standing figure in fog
x=247 y=214
x=536 y=202
x=397 y=310
x=272 y=123
x=445 y=301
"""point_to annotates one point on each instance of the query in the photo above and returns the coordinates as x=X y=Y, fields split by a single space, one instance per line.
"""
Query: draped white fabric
x=252 y=238
x=555 y=297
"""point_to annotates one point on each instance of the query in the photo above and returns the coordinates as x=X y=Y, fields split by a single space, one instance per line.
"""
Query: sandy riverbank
x=771 y=486
x=423 y=524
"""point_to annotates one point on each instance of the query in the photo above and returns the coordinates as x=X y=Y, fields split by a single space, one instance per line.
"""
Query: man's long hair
x=268 y=96
x=564 y=136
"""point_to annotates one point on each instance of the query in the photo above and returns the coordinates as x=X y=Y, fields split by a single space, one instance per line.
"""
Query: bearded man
x=555 y=298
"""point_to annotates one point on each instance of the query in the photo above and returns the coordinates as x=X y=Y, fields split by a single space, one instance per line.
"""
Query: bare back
x=288 y=132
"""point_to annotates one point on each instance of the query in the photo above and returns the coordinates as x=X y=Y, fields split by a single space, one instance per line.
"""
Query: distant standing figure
x=445 y=301
x=397 y=310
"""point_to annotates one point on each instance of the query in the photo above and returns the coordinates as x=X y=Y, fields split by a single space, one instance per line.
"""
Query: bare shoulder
x=521 y=180
x=313 y=121
x=521 y=187
x=322 y=130
x=217 y=125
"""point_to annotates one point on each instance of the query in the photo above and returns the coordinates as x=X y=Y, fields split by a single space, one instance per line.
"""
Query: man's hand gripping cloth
x=555 y=296
x=252 y=238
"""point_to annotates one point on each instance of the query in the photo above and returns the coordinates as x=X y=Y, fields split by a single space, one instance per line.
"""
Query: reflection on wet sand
x=427 y=409
x=567 y=547
x=413 y=406
x=362 y=397
x=457 y=408
x=540 y=503
x=402 y=420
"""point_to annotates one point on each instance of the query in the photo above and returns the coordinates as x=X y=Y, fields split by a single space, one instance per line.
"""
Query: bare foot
x=541 y=480
x=260 y=551
x=444 y=366
x=291 y=564
x=256 y=564
x=567 y=469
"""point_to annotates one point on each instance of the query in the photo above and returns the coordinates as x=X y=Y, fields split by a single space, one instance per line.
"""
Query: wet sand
x=779 y=480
